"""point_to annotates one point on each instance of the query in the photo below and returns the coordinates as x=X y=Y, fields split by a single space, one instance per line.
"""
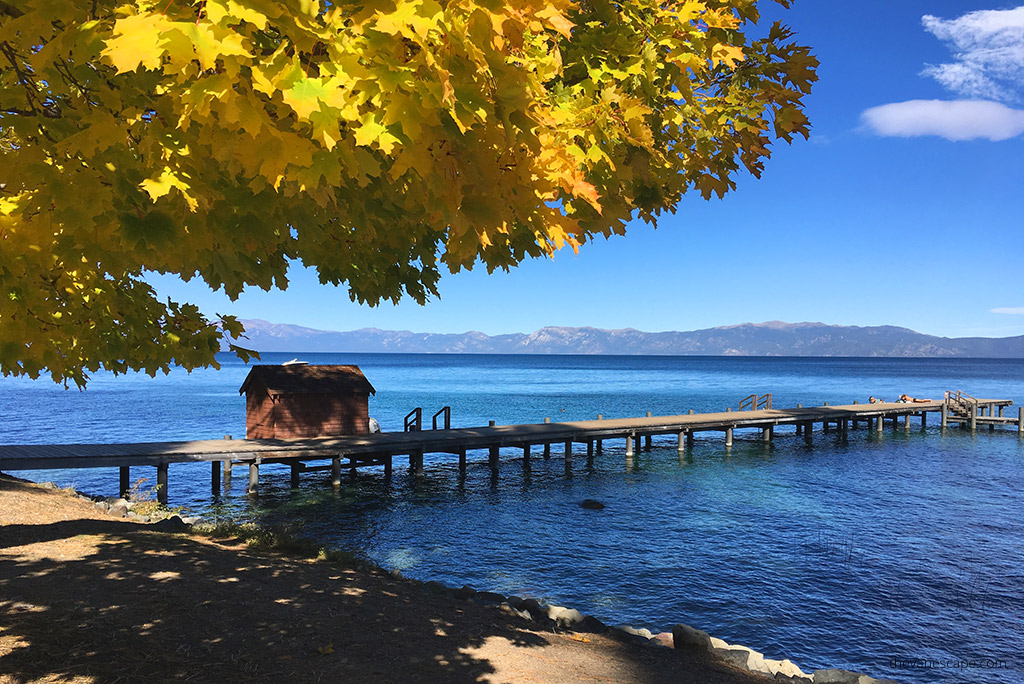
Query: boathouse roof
x=303 y=379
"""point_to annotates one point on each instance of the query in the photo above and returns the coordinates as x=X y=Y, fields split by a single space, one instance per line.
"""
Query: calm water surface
x=844 y=554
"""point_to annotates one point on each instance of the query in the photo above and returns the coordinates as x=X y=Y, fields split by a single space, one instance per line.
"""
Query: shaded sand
x=85 y=597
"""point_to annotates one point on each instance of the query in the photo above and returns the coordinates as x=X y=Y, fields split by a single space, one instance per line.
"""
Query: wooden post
x=944 y=415
x=492 y=458
x=974 y=417
x=924 y=419
x=590 y=449
x=336 y=471
x=215 y=477
x=547 y=450
x=689 y=439
x=880 y=425
x=690 y=412
x=728 y=437
x=906 y=422
x=825 y=426
x=161 y=483
x=352 y=467
x=526 y=455
x=629 y=446
x=295 y=474
x=568 y=456
x=991 y=412
x=1020 y=420
x=766 y=434
x=799 y=405
x=388 y=465
x=681 y=442
x=600 y=442
x=124 y=484
x=647 y=438
x=808 y=432
x=254 y=478
x=227 y=467
x=1000 y=411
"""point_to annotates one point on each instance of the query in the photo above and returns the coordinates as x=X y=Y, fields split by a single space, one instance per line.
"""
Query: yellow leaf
x=136 y=42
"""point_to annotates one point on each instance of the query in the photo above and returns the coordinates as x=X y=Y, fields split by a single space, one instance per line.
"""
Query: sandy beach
x=86 y=597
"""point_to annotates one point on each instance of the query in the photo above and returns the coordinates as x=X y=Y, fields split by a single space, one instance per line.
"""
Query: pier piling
x=254 y=478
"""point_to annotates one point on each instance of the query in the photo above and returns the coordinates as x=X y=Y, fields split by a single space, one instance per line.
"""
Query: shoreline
x=683 y=643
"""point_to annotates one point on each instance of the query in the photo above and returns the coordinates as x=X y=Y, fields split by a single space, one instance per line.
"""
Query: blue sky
x=905 y=208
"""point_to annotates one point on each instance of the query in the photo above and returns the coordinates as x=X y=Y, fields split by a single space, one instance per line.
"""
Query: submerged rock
x=592 y=504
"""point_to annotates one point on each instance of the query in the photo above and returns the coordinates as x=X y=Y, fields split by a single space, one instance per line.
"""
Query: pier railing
x=414 y=420
x=756 y=402
x=446 y=413
x=961 y=403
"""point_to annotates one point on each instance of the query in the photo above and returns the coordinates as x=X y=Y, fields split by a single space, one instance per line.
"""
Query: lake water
x=908 y=545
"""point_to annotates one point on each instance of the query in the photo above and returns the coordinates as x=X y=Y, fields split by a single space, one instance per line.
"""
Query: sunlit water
x=841 y=554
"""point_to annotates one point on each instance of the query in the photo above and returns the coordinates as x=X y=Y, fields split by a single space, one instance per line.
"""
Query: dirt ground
x=85 y=597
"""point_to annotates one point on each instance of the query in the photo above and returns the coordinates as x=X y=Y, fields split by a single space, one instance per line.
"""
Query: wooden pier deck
x=379 y=449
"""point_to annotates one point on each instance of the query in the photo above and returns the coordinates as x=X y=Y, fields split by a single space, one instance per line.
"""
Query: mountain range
x=773 y=338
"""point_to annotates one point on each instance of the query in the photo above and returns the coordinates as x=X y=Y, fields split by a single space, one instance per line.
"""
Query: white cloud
x=1012 y=310
x=988 y=47
x=953 y=120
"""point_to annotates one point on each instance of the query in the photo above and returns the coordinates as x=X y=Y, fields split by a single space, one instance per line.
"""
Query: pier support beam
x=880 y=424
x=808 y=433
x=629 y=446
x=944 y=414
x=161 y=483
x=215 y=477
x=417 y=462
x=388 y=465
x=547 y=450
x=526 y=455
x=227 y=472
x=336 y=472
x=728 y=437
x=974 y=418
x=254 y=478
x=689 y=439
x=590 y=449
x=296 y=468
x=766 y=435
x=492 y=457
x=681 y=442
x=124 y=480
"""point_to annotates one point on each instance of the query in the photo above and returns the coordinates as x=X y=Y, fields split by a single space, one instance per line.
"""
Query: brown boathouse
x=298 y=400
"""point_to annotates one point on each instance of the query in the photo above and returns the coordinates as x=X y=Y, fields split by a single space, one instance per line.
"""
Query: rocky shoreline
x=540 y=614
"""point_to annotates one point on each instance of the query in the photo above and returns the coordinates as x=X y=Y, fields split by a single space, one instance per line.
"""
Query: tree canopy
x=380 y=142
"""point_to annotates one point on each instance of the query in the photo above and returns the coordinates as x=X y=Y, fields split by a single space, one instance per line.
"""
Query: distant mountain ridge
x=773 y=338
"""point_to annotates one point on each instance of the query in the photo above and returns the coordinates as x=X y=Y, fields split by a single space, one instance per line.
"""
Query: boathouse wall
x=336 y=402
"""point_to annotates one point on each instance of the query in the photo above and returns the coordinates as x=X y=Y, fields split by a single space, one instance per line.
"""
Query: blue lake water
x=907 y=545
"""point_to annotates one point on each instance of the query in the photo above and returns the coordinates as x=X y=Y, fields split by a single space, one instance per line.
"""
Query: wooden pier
x=380 y=449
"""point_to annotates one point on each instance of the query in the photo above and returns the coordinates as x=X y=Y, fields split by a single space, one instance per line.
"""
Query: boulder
x=566 y=618
x=489 y=597
x=591 y=625
x=465 y=592
x=435 y=587
x=506 y=608
x=516 y=602
x=101 y=506
x=664 y=639
x=786 y=668
x=628 y=629
x=118 y=510
x=592 y=504
x=174 y=525
x=684 y=636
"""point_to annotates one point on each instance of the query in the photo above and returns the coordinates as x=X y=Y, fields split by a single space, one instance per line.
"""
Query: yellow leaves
x=412 y=19
x=162 y=185
x=729 y=55
x=136 y=42
x=556 y=20
x=222 y=11
x=371 y=131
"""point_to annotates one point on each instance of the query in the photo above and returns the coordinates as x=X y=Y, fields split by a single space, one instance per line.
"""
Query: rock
x=396 y=574
x=565 y=617
x=535 y=608
x=592 y=505
x=629 y=635
x=734 y=655
x=48 y=485
x=118 y=510
x=116 y=501
x=835 y=676
x=101 y=506
x=591 y=625
x=506 y=608
x=664 y=639
x=435 y=587
x=515 y=601
x=645 y=633
x=684 y=636
x=786 y=668
x=465 y=592
x=192 y=520
x=718 y=643
x=489 y=597
x=174 y=525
